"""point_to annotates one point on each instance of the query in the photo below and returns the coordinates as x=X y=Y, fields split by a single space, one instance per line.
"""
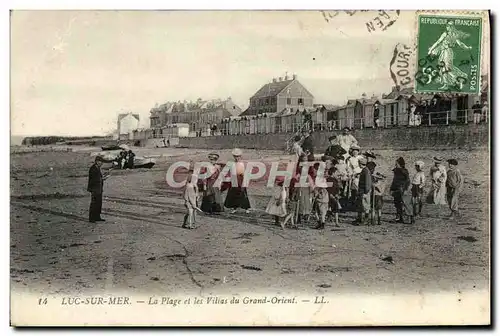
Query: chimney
x=281 y=79
x=294 y=76
x=274 y=80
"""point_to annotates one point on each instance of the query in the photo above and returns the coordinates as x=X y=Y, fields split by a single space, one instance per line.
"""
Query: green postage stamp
x=449 y=53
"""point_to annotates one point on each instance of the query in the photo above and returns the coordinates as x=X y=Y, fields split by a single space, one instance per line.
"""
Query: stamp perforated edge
x=485 y=34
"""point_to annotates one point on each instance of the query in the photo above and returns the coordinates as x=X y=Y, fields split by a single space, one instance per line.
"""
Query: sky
x=73 y=72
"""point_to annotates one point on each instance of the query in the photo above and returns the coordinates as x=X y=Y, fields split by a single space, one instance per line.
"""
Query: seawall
x=400 y=138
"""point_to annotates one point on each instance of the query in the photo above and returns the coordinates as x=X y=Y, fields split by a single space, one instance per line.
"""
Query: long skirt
x=437 y=194
x=237 y=197
x=305 y=205
x=211 y=201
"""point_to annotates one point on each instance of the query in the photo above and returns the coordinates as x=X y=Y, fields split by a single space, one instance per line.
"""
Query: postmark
x=401 y=65
x=380 y=20
x=448 y=53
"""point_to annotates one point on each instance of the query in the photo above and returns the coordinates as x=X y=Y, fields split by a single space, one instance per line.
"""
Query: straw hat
x=355 y=147
x=213 y=156
x=420 y=164
x=237 y=152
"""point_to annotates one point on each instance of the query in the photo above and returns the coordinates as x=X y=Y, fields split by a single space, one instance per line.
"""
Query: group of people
x=125 y=159
x=351 y=183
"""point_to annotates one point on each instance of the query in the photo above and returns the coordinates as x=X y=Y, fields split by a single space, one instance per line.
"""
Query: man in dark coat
x=130 y=159
x=334 y=150
x=399 y=186
x=95 y=187
x=434 y=113
x=307 y=144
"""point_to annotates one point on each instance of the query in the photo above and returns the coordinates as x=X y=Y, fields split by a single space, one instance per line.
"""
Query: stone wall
x=401 y=138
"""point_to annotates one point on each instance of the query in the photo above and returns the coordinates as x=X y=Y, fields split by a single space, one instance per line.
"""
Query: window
x=267 y=101
x=289 y=101
x=301 y=101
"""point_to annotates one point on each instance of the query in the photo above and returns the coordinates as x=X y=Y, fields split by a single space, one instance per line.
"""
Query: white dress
x=277 y=203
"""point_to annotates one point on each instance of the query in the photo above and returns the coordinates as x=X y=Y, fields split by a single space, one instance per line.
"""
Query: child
x=190 y=201
x=378 y=192
x=454 y=183
x=277 y=205
x=417 y=190
x=321 y=200
x=334 y=192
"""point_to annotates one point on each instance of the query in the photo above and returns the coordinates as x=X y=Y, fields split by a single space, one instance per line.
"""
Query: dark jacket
x=307 y=145
x=401 y=180
x=477 y=108
x=365 y=181
x=335 y=151
x=96 y=182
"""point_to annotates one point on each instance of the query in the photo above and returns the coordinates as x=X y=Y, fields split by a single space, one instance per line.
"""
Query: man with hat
x=95 y=187
x=237 y=196
x=211 y=202
x=307 y=143
x=334 y=150
x=346 y=139
x=364 y=193
x=370 y=156
x=437 y=194
x=454 y=183
x=399 y=187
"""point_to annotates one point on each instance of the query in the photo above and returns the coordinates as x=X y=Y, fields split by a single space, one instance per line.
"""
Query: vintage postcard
x=250 y=168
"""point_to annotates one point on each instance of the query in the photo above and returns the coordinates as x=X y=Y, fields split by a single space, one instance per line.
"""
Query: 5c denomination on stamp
x=449 y=54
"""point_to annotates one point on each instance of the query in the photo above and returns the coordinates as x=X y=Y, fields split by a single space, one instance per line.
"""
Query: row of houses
x=199 y=115
x=283 y=104
x=393 y=110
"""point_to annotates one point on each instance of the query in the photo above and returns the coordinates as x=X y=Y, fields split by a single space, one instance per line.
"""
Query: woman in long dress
x=304 y=192
x=437 y=194
x=237 y=196
x=211 y=202
x=449 y=74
